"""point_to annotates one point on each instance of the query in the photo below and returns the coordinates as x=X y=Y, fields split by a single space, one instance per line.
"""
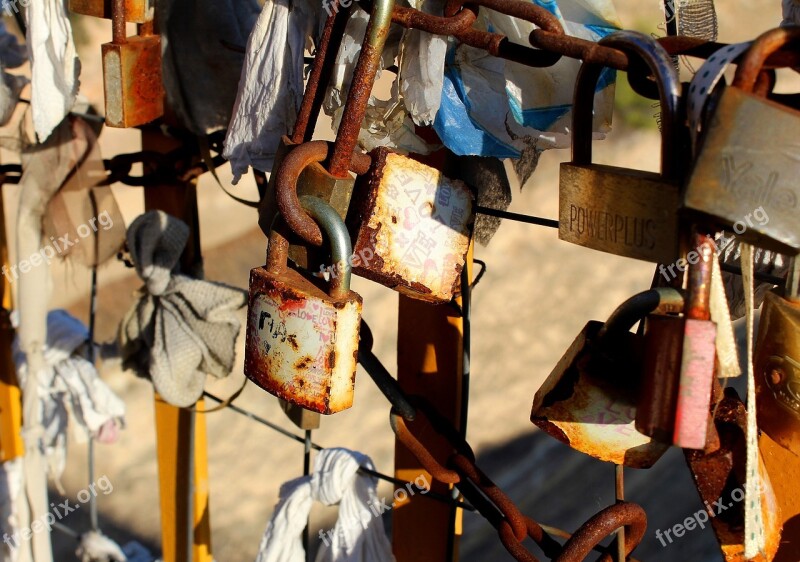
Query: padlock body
x=745 y=175
x=136 y=11
x=777 y=369
x=132 y=81
x=314 y=180
x=625 y=212
x=412 y=227
x=302 y=344
x=693 y=407
x=663 y=349
x=594 y=412
x=719 y=477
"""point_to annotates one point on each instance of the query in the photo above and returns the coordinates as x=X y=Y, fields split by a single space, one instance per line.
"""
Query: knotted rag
x=181 y=328
x=358 y=535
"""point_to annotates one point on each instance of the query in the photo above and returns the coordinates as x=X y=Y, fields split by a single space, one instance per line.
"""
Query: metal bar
x=93 y=518
x=550 y=223
x=180 y=436
x=306 y=472
x=430 y=355
x=763 y=277
x=11 y=445
x=619 y=488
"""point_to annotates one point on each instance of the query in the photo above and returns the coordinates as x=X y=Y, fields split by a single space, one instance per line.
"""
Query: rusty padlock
x=411 y=227
x=134 y=91
x=589 y=400
x=699 y=352
x=625 y=212
x=777 y=364
x=136 y=11
x=719 y=477
x=663 y=347
x=302 y=343
x=746 y=165
x=314 y=179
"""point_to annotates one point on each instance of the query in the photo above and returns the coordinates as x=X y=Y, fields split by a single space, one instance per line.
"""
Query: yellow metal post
x=430 y=349
x=181 y=433
x=11 y=445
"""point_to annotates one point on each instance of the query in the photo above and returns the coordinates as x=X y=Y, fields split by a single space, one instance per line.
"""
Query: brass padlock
x=411 y=228
x=136 y=11
x=589 y=400
x=625 y=212
x=134 y=91
x=719 y=477
x=777 y=364
x=302 y=343
x=745 y=174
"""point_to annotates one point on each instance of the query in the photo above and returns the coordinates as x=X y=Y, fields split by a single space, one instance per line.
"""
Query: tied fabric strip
x=70 y=389
x=181 y=328
x=358 y=535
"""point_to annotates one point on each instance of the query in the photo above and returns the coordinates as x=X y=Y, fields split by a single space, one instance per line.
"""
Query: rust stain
x=304 y=363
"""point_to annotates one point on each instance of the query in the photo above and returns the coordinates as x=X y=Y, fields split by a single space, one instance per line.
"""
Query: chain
x=549 y=39
x=461 y=470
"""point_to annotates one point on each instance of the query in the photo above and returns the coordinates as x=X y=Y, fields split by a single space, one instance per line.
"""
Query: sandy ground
x=536 y=296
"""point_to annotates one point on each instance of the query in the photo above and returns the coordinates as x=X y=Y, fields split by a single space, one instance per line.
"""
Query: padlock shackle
x=278 y=248
x=321 y=69
x=286 y=178
x=660 y=64
x=339 y=240
x=118 y=33
x=698 y=302
x=766 y=44
x=661 y=300
x=355 y=108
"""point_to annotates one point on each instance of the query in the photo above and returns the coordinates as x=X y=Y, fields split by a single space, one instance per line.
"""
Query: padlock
x=783 y=468
x=314 y=179
x=745 y=174
x=134 y=92
x=625 y=212
x=663 y=347
x=589 y=400
x=699 y=352
x=665 y=339
x=777 y=364
x=136 y=11
x=411 y=227
x=719 y=478
x=302 y=343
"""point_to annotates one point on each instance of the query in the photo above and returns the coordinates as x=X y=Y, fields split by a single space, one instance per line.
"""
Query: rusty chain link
x=549 y=39
x=460 y=469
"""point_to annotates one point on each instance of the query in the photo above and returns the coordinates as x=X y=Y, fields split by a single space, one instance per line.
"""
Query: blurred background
x=537 y=294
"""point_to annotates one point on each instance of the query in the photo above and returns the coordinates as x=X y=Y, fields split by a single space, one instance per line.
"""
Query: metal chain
x=461 y=470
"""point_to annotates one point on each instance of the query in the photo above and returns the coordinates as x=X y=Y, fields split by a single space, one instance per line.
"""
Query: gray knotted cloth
x=181 y=328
